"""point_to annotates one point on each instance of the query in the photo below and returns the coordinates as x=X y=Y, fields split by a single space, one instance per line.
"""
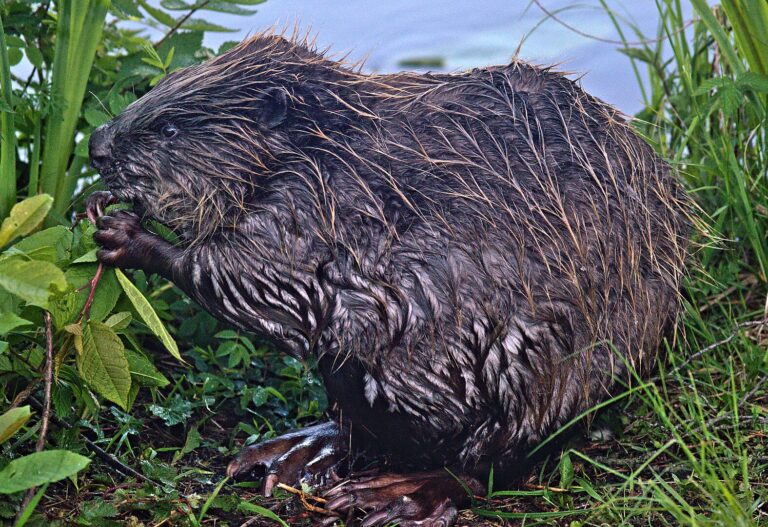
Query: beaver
x=472 y=258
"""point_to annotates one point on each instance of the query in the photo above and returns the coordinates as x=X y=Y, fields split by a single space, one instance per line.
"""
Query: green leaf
x=120 y=101
x=251 y=508
x=753 y=81
x=25 y=216
x=198 y=24
x=226 y=46
x=566 y=471
x=34 y=281
x=14 y=41
x=148 y=315
x=10 y=321
x=34 y=56
x=106 y=295
x=12 y=420
x=125 y=8
x=144 y=372
x=14 y=56
x=173 y=411
x=229 y=7
x=158 y=14
x=102 y=362
x=191 y=443
x=40 y=468
x=52 y=245
x=642 y=54
x=119 y=321
x=96 y=117
x=175 y=5
x=168 y=59
x=88 y=257
x=184 y=45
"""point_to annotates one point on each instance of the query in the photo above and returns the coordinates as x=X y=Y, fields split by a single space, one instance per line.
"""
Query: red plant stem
x=94 y=282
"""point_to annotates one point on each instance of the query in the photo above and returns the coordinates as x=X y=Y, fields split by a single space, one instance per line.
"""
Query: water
x=465 y=34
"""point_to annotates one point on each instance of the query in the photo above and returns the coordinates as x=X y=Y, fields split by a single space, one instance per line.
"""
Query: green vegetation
x=686 y=448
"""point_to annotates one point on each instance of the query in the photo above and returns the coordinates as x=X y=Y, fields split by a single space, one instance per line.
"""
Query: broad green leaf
x=33 y=281
x=14 y=42
x=158 y=14
x=198 y=24
x=261 y=511
x=102 y=362
x=81 y=150
x=753 y=81
x=25 y=217
x=120 y=101
x=52 y=245
x=12 y=420
x=229 y=7
x=175 y=5
x=148 y=315
x=10 y=321
x=107 y=290
x=40 y=468
x=143 y=371
x=184 y=45
x=226 y=46
x=34 y=56
x=119 y=321
x=14 y=56
x=88 y=257
x=192 y=442
x=125 y=8
x=566 y=471
x=96 y=117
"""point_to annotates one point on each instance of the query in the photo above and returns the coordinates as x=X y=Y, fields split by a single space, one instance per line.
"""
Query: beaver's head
x=199 y=146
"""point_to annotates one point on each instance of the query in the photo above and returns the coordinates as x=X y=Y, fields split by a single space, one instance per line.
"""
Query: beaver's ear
x=274 y=107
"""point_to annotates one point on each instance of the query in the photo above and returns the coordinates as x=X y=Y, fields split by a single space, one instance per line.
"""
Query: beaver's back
x=530 y=242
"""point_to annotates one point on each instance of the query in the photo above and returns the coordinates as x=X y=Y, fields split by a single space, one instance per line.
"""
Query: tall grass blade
x=7 y=132
x=78 y=33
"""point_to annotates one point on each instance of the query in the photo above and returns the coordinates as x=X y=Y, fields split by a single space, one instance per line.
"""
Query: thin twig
x=24 y=394
x=48 y=383
x=180 y=22
x=303 y=496
x=707 y=349
x=86 y=312
x=105 y=456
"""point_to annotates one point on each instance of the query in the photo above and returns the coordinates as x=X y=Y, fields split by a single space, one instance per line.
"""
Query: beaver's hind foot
x=311 y=455
x=426 y=499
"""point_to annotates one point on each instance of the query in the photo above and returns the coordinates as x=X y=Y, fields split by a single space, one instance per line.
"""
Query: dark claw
x=97 y=202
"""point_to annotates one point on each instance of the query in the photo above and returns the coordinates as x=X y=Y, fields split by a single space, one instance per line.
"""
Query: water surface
x=465 y=34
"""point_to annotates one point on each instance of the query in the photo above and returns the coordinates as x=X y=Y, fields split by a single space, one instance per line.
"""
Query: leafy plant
x=89 y=333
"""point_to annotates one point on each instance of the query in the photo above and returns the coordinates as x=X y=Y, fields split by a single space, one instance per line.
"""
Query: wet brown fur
x=476 y=258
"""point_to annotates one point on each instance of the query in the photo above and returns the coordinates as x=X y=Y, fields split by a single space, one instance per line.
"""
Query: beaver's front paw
x=125 y=243
x=97 y=202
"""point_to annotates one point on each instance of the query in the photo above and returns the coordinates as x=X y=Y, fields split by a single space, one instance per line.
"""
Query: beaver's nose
x=99 y=147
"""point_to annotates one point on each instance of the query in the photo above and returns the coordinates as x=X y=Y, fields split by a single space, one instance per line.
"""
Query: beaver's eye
x=169 y=131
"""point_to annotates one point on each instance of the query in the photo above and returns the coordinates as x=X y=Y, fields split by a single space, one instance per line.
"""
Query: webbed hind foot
x=310 y=455
x=427 y=499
